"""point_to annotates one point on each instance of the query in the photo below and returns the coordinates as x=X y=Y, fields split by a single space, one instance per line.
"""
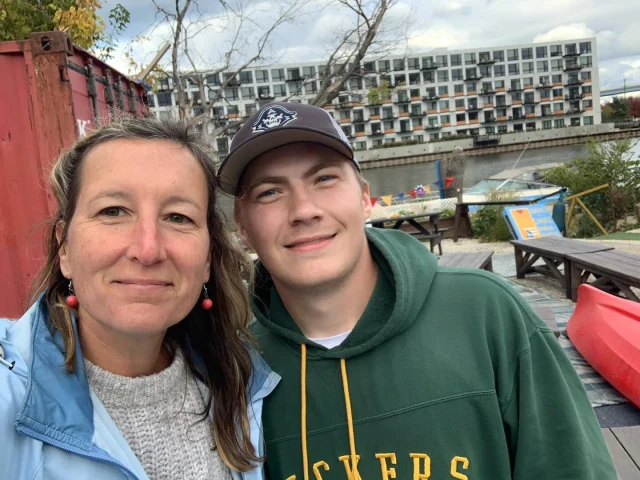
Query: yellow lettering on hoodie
x=421 y=473
x=454 y=467
x=387 y=472
x=352 y=470
x=292 y=477
x=316 y=469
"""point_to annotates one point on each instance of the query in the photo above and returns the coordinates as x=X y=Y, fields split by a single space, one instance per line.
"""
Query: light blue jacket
x=52 y=426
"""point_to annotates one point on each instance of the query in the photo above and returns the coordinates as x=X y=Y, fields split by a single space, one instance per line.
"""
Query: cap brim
x=234 y=164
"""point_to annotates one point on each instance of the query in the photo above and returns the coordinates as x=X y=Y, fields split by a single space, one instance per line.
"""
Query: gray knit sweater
x=159 y=417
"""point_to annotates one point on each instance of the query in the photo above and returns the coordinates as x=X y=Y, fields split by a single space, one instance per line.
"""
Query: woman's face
x=138 y=244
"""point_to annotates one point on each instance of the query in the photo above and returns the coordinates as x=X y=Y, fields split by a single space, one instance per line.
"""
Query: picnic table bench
x=624 y=446
x=555 y=252
x=479 y=260
x=614 y=271
x=433 y=233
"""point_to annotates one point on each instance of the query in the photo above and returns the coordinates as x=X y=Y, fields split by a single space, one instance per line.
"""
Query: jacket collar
x=58 y=404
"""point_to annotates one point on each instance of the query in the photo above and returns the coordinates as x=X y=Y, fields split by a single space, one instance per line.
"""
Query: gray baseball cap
x=279 y=124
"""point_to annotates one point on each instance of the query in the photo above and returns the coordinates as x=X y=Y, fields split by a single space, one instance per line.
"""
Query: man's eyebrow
x=281 y=179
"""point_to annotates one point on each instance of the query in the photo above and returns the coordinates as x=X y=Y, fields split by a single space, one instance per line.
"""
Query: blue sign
x=530 y=221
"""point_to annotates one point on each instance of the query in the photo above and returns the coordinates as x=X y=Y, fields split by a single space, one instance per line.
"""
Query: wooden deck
x=624 y=445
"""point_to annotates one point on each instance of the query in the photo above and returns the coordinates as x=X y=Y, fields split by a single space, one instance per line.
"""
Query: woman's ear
x=65 y=264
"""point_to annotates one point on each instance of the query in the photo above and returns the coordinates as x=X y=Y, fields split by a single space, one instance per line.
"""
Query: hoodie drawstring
x=303 y=409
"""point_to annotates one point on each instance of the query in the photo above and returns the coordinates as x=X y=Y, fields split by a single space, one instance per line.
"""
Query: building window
x=545 y=93
x=485 y=70
x=558 y=123
x=246 y=76
x=213 y=79
x=471 y=87
x=164 y=99
x=277 y=74
x=369 y=67
x=223 y=145
x=345 y=115
x=588 y=103
x=445 y=119
x=460 y=103
x=311 y=87
x=377 y=142
x=556 y=50
x=444 y=105
x=416 y=109
x=502 y=129
x=262 y=76
x=556 y=65
x=512 y=54
x=585 y=61
x=587 y=121
x=470 y=73
x=456 y=60
x=361 y=146
x=398 y=64
x=443 y=90
x=295 y=88
x=531 y=126
x=441 y=60
x=250 y=109
x=557 y=92
x=514 y=69
x=499 y=84
x=543 y=80
x=355 y=83
x=575 y=122
x=309 y=72
x=585 y=47
x=231 y=93
x=427 y=62
x=413 y=63
x=529 y=109
x=527 y=67
x=384 y=66
x=429 y=76
x=456 y=74
x=556 y=78
x=263 y=92
x=541 y=52
x=498 y=70
x=469 y=58
x=461 y=118
x=498 y=55
x=293 y=74
x=570 y=49
x=585 y=75
x=358 y=127
x=458 y=88
x=527 y=53
x=543 y=66
x=443 y=75
x=558 y=107
x=280 y=90
x=400 y=80
x=248 y=93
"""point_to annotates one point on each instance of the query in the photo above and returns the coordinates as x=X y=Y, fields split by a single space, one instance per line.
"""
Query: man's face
x=303 y=210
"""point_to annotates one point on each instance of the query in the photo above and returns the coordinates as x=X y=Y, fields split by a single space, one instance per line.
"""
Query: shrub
x=488 y=223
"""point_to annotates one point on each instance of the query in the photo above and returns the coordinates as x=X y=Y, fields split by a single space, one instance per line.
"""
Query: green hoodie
x=447 y=375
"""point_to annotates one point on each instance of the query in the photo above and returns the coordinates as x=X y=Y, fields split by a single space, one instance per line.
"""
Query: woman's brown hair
x=215 y=342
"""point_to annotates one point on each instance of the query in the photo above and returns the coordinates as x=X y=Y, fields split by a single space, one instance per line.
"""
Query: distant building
x=431 y=96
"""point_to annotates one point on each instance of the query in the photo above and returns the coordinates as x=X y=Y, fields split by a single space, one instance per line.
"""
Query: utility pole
x=626 y=102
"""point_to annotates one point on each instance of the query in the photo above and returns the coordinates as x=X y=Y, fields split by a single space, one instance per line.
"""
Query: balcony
x=428 y=98
x=542 y=86
x=404 y=114
x=403 y=100
x=434 y=126
x=531 y=102
x=418 y=114
x=573 y=82
x=546 y=113
x=504 y=118
x=474 y=78
x=404 y=130
x=573 y=97
x=529 y=115
x=575 y=111
x=572 y=68
x=345 y=120
x=515 y=90
x=418 y=128
x=430 y=66
x=486 y=61
x=571 y=53
x=490 y=120
x=376 y=133
x=266 y=96
x=487 y=92
x=474 y=108
x=389 y=130
x=295 y=78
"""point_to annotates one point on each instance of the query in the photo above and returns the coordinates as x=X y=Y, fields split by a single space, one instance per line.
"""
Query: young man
x=392 y=367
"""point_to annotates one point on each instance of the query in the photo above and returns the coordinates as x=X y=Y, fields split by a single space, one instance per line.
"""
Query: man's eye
x=112 y=212
x=178 y=218
x=325 y=178
x=267 y=193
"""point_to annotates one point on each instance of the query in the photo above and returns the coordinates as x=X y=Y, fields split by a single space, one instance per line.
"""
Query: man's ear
x=63 y=255
x=241 y=231
x=366 y=199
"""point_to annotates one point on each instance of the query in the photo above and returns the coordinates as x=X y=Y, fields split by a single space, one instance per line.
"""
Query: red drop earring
x=71 y=300
x=207 y=303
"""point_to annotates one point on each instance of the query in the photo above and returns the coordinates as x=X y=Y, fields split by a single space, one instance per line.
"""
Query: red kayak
x=606 y=331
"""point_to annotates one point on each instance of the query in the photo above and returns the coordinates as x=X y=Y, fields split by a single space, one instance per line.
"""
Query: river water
x=402 y=178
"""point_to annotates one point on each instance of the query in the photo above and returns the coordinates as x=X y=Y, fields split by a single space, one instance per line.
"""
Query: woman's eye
x=178 y=218
x=112 y=212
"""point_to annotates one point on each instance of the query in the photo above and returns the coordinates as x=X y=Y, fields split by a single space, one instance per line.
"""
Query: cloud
x=442 y=36
x=565 y=32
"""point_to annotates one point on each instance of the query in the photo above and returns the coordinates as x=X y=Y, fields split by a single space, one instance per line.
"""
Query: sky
x=422 y=25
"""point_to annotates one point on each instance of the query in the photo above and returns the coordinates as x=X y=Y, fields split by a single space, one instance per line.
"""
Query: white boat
x=524 y=183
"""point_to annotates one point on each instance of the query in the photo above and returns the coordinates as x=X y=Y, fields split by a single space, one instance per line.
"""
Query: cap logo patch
x=273 y=116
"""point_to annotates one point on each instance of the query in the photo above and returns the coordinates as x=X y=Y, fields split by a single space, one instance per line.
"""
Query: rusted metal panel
x=51 y=92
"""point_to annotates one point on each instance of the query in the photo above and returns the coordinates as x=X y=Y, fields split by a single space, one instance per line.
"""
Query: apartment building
x=426 y=97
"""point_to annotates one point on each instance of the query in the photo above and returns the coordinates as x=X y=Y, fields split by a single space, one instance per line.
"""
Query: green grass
x=621 y=236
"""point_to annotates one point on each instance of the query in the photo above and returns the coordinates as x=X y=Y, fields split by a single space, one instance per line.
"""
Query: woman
x=132 y=361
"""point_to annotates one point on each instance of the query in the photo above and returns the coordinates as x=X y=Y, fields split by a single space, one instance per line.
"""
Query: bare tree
x=366 y=37
x=246 y=47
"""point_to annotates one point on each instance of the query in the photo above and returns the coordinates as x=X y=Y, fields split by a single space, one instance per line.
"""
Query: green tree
x=377 y=94
x=606 y=162
x=616 y=110
x=78 y=18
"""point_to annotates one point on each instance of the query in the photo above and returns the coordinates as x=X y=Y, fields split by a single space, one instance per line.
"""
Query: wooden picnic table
x=615 y=271
x=473 y=260
x=555 y=252
x=433 y=233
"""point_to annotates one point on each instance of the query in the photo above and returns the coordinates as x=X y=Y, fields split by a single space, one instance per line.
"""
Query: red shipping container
x=51 y=92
